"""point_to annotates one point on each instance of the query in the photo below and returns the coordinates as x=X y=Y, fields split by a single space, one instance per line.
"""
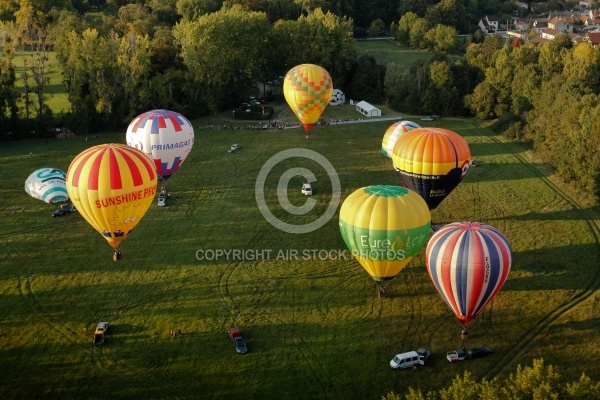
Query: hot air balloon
x=308 y=89
x=393 y=133
x=432 y=162
x=47 y=184
x=112 y=185
x=468 y=262
x=384 y=227
x=166 y=137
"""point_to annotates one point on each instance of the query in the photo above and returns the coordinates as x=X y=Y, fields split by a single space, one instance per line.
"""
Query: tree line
x=119 y=58
x=536 y=382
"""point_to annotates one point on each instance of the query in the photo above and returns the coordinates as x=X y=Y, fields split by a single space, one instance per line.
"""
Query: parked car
x=100 y=333
x=234 y=147
x=409 y=359
x=237 y=340
x=477 y=352
x=456 y=355
x=162 y=200
x=427 y=119
x=60 y=212
x=307 y=189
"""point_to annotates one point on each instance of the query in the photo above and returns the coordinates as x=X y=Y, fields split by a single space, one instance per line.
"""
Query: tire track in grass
x=594 y=282
x=233 y=312
x=223 y=293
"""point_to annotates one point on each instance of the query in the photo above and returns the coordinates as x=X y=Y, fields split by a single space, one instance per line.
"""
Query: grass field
x=385 y=52
x=314 y=326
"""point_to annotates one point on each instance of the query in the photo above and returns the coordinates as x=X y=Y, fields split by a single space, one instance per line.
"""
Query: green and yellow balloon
x=384 y=227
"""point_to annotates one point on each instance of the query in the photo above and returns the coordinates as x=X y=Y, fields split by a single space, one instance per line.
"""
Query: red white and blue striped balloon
x=468 y=262
x=166 y=137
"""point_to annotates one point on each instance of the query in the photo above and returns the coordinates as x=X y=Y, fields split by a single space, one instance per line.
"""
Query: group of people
x=173 y=333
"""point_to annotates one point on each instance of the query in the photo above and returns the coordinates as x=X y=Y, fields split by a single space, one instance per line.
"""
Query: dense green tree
x=377 y=28
x=442 y=38
x=8 y=109
x=32 y=32
x=538 y=382
x=223 y=50
x=164 y=11
x=404 y=26
x=368 y=80
x=318 y=38
x=418 y=34
x=192 y=9
x=137 y=19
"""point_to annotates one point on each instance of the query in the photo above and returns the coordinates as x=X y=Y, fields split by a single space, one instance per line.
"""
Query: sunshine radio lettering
x=126 y=198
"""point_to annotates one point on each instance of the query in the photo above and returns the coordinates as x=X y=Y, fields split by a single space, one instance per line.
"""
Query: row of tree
x=538 y=382
x=116 y=67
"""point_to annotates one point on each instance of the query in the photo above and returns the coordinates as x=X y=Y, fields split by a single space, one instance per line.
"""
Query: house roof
x=594 y=38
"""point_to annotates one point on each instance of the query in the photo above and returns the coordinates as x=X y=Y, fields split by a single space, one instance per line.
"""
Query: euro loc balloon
x=393 y=133
x=468 y=263
x=384 y=227
x=166 y=137
x=112 y=185
x=48 y=185
x=432 y=162
x=308 y=89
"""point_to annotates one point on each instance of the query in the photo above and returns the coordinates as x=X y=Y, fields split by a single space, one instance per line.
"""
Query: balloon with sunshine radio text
x=112 y=186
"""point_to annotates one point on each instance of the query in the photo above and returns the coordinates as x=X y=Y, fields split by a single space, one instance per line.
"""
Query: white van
x=407 y=360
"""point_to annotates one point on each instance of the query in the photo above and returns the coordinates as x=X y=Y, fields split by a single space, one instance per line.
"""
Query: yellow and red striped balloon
x=308 y=89
x=112 y=186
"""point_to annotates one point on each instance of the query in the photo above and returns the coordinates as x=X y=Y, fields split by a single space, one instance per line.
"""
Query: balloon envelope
x=432 y=162
x=308 y=89
x=47 y=184
x=468 y=262
x=112 y=185
x=166 y=137
x=393 y=133
x=384 y=227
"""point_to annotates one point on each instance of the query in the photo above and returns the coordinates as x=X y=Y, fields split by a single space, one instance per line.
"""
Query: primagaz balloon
x=47 y=184
x=468 y=262
x=393 y=133
x=432 y=162
x=166 y=137
x=112 y=185
x=384 y=227
x=308 y=89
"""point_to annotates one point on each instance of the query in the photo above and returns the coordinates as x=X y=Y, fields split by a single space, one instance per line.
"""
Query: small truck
x=100 y=333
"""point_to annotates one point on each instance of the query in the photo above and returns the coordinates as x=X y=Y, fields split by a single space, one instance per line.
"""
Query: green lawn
x=385 y=52
x=313 y=324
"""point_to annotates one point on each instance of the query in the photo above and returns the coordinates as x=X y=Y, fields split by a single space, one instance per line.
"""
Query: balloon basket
x=464 y=335
x=117 y=255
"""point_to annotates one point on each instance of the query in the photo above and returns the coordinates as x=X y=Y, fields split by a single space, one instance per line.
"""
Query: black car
x=60 y=212
x=477 y=352
x=240 y=345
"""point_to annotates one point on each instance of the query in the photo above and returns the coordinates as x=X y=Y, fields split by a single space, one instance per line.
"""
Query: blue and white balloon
x=47 y=184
